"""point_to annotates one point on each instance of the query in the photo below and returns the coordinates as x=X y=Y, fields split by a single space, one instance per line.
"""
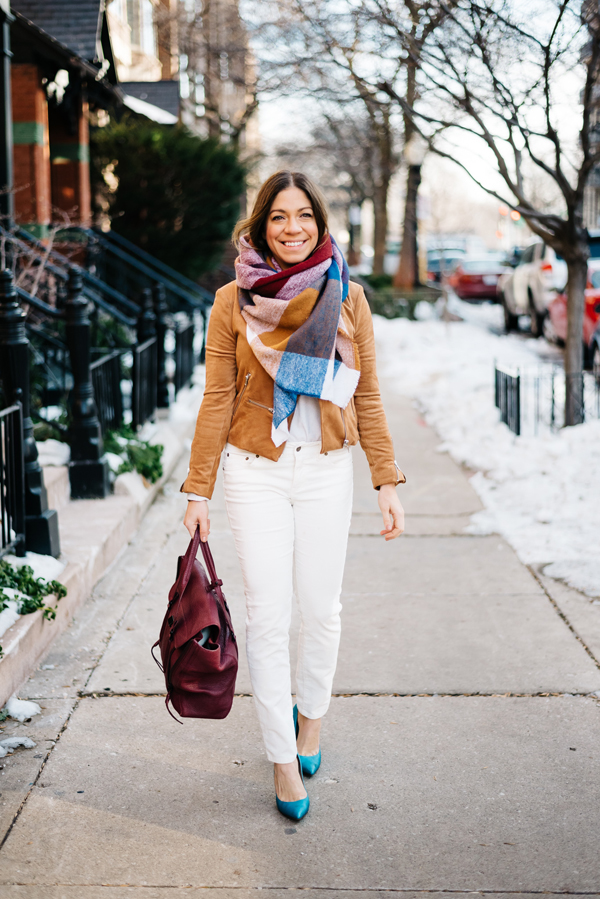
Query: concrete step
x=58 y=488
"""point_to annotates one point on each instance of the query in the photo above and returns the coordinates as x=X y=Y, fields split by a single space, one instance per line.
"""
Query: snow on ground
x=542 y=493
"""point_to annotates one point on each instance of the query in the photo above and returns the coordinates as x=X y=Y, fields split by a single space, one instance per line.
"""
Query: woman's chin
x=294 y=258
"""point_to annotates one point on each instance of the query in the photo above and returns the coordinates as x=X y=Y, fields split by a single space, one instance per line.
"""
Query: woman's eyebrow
x=285 y=210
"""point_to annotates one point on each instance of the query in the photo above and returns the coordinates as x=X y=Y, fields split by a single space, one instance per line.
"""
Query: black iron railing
x=52 y=367
x=184 y=355
x=127 y=268
x=106 y=379
x=532 y=401
x=144 y=383
x=508 y=398
x=12 y=481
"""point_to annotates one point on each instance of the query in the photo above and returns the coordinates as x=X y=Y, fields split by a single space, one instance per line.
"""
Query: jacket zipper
x=346 y=442
x=242 y=392
x=262 y=406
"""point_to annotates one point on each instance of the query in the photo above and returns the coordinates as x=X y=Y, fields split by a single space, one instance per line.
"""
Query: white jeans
x=290 y=521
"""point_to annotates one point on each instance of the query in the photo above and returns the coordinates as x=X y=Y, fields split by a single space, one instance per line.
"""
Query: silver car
x=529 y=288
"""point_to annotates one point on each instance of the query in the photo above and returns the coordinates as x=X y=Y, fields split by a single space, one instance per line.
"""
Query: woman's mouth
x=293 y=244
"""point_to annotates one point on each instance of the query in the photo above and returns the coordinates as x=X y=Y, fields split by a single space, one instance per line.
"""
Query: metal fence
x=532 y=401
x=508 y=398
x=106 y=379
x=184 y=355
x=12 y=481
x=144 y=383
x=52 y=366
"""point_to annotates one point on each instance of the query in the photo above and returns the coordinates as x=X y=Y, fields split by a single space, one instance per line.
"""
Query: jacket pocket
x=260 y=405
x=241 y=394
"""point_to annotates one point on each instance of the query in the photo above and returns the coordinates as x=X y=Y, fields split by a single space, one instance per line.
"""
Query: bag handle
x=190 y=558
x=215 y=581
x=188 y=562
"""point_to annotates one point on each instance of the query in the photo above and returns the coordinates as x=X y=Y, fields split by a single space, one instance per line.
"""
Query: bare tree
x=313 y=48
x=493 y=81
x=216 y=63
x=361 y=42
x=362 y=146
x=352 y=161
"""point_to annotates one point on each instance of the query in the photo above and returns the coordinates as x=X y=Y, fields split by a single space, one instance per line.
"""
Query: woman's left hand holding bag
x=392 y=511
x=197 y=514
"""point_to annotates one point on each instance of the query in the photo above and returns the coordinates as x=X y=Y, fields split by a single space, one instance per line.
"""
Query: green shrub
x=377 y=282
x=137 y=455
x=35 y=590
x=168 y=191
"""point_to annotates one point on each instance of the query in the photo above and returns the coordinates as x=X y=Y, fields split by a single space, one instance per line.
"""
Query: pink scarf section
x=250 y=267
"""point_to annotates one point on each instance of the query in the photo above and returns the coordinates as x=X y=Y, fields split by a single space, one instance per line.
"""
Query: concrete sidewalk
x=460 y=752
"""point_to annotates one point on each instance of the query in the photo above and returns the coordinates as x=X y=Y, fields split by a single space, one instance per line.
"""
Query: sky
x=280 y=117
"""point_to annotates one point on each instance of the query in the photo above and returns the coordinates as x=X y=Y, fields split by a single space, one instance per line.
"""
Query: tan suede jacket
x=238 y=399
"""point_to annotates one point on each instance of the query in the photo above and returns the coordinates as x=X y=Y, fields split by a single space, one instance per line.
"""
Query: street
x=459 y=753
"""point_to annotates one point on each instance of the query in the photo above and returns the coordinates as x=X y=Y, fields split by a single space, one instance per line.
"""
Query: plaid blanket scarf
x=295 y=329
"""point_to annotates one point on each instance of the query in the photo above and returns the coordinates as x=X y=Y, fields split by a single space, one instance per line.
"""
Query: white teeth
x=293 y=243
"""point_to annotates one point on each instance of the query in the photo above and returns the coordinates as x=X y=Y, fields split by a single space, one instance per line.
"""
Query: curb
x=109 y=525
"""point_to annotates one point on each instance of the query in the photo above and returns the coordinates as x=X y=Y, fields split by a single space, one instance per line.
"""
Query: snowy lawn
x=542 y=493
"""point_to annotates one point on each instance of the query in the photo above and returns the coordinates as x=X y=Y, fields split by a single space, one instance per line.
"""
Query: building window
x=140 y=14
x=147 y=30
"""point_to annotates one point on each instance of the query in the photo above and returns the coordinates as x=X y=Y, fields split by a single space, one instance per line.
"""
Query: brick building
x=65 y=76
x=62 y=73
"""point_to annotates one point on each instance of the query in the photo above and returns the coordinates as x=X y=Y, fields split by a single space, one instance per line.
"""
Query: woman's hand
x=197 y=513
x=392 y=511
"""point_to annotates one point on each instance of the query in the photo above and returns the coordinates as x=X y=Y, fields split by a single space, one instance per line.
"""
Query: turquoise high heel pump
x=309 y=764
x=294 y=810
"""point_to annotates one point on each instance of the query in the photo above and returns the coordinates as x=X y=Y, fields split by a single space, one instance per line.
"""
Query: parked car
x=476 y=279
x=439 y=261
x=595 y=355
x=512 y=256
x=556 y=327
x=531 y=286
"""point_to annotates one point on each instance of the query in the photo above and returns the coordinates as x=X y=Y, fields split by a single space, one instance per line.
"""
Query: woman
x=290 y=386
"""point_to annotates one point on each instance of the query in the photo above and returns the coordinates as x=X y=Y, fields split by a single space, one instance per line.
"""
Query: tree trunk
x=381 y=224
x=577 y=268
x=407 y=276
x=408 y=272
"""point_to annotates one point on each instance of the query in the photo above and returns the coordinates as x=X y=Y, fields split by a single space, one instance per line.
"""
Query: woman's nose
x=293 y=226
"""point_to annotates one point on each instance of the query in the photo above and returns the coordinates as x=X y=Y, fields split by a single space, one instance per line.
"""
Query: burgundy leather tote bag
x=197 y=643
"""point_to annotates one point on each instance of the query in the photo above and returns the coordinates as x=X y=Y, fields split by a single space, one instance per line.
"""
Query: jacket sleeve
x=373 y=431
x=214 y=417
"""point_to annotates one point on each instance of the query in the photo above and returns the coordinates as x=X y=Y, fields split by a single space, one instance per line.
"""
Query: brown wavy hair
x=254 y=226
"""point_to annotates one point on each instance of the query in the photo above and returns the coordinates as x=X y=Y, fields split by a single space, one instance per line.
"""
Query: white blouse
x=305 y=428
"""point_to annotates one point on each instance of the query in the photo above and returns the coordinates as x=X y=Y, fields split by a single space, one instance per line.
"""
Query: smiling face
x=291 y=231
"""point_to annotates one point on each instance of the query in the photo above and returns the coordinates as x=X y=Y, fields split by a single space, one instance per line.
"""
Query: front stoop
x=92 y=534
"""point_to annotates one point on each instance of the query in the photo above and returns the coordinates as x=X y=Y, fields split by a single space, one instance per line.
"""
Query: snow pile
x=9 y=614
x=9 y=744
x=53 y=452
x=541 y=493
x=43 y=566
x=46 y=567
x=21 y=709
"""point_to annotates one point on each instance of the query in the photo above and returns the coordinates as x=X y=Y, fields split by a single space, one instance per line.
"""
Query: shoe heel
x=309 y=764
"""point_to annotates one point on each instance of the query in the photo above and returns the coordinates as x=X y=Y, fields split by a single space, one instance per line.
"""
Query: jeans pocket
x=237 y=460
x=339 y=456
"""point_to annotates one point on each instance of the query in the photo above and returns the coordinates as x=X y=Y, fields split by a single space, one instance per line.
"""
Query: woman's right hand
x=197 y=514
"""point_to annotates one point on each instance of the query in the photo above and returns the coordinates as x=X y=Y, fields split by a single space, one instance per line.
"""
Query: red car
x=557 y=311
x=476 y=279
